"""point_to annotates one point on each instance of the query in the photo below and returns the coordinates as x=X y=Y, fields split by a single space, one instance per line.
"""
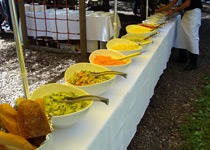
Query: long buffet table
x=112 y=127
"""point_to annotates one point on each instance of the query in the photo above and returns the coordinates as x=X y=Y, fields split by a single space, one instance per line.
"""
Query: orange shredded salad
x=107 y=61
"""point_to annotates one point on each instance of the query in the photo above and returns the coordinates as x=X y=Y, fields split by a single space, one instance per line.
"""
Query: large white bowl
x=148 y=22
x=156 y=21
x=94 y=89
x=157 y=17
x=140 y=30
x=113 y=54
x=138 y=39
x=119 y=41
x=62 y=121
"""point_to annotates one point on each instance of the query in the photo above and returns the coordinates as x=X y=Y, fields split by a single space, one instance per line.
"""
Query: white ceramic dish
x=138 y=39
x=94 y=89
x=140 y=30
x=149 y=22
x=113 y=54
x=63 y=121
x=156 y=21
x=119 y=41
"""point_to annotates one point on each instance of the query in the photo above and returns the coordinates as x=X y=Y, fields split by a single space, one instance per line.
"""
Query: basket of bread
x=24 y=128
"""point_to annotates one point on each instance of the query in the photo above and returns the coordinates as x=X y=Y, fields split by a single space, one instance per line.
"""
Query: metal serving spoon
x=109 y=72
x=150 y=36
x=86 y=98
x=158 y=26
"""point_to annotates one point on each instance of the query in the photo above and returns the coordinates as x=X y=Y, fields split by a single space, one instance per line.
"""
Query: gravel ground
x=174 y=93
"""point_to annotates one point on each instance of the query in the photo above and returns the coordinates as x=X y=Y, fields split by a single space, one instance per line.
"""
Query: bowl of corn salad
x=109 y=59
x=81 y=75
x=139 y=39
x=140 y=30
x=123 y=46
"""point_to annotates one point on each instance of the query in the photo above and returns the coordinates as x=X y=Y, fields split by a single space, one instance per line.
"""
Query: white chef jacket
x=188 y=32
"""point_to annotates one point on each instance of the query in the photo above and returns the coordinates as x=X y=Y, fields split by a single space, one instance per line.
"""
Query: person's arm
x=181 y=7
x=172 y=3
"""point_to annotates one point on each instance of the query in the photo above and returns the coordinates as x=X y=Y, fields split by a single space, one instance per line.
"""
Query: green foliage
x=196 y=131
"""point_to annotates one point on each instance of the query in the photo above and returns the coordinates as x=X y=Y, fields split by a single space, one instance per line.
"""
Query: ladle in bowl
x=145 y=43
x=86 y=98
x=150 y=36
x=96 y=74
x=158 y=26
x=128 y=56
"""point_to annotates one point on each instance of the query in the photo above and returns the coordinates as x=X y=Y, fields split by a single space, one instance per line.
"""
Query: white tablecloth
x=112 y=127
x=99 y=27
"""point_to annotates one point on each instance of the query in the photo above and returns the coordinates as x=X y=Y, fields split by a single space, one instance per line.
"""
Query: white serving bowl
x=151 y=25
x=138 y=39
x=157 y=17
x=113 y=54
x=156 y=21
x=119 y=41
x=149 y=22
x=62 y=121
x=140 y=30
x=160 y=14
x=94 y=89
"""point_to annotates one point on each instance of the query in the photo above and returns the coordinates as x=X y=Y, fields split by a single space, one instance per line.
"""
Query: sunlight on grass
x=196 y=131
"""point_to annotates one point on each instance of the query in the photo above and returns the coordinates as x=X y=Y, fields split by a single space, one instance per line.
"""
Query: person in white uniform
x=188 y=33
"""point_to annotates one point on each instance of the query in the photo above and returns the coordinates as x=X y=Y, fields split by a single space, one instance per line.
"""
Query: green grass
x=196 y=130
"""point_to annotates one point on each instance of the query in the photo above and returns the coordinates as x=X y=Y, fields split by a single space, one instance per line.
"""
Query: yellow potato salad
x=139 y=29
x=125 y=47
x=135 y=39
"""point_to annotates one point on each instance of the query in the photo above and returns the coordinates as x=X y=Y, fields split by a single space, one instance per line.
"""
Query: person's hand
x=158 y=10
x=169 y=12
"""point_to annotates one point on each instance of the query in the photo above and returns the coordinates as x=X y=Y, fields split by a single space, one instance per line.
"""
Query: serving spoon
x=109 y=72
x=150 y=36
x=128 y=56
x=145 y=43
x=86 y=98
x=158 y=26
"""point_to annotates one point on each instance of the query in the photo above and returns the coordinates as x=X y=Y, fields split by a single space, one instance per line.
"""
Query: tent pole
x=19 y=47
x=147 y=8
x=115 y=18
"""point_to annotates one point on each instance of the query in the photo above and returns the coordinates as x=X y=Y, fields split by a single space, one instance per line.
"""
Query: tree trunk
x=83 y=34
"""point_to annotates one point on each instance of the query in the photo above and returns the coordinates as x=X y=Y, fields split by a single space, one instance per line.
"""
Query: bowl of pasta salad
x=63 y=114
x=81 y=75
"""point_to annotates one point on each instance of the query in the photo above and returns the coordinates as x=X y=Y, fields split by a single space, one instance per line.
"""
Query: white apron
x=188 y=32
